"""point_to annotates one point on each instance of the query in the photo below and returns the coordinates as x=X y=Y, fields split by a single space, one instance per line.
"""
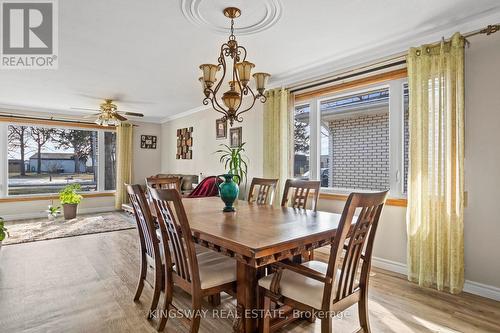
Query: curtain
x=124 y=155
x=436 y=172
x=277 y=136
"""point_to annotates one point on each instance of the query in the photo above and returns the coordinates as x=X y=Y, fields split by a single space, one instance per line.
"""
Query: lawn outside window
x=40 y=159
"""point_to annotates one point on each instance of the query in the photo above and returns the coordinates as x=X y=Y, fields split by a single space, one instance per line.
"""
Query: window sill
x=343 y=197
x=54 y=196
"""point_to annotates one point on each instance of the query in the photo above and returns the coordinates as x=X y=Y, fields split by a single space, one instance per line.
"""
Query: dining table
x=256 y=236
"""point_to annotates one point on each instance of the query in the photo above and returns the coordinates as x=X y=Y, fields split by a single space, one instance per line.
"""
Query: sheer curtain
x=124 y=159
x=436 y=174
x=277 y=137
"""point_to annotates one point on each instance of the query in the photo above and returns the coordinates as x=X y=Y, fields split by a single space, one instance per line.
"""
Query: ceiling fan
x=108 y=114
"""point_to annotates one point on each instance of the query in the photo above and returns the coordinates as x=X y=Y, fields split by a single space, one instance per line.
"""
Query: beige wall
x=482 y=224
x=205 y=144
x=147 y=162
x=482 y=160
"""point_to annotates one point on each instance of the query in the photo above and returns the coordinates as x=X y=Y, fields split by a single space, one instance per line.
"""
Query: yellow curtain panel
x=277 y=129
x=436 y=174
x=124 y=156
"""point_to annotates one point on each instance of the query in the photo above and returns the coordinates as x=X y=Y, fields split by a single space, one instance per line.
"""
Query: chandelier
x=232 y=60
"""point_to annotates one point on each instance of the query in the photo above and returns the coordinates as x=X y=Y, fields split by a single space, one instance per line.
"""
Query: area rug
x=43 y=229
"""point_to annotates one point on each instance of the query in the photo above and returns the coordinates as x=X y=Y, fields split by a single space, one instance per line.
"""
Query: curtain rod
x=490 y=29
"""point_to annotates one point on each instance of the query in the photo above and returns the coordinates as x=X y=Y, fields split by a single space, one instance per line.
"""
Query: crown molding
x=184 y=113
x=379 y=51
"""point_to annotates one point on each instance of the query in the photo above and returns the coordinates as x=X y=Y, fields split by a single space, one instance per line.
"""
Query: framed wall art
x=235 y=137
x=184 y=143
x=220 y=129
x=148 y=141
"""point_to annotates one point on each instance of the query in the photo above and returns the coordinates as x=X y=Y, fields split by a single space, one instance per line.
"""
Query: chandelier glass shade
x=237 y=72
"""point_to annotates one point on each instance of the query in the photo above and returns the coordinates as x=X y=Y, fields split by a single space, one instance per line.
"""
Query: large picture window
x=357 y=139
x=43 y=159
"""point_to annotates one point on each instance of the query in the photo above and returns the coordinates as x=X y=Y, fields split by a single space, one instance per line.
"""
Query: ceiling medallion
x=232 y=60
x=205 y=14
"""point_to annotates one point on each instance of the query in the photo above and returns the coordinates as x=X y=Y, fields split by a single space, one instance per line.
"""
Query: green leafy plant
x=234 y=161
x=3 y=231
x=69 y=195
x=54 y=211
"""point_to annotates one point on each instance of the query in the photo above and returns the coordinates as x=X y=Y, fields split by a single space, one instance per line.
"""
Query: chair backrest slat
x=299 y=190
x=173 y=223
x=265 y=189
x=145 y=222
x=353 y=241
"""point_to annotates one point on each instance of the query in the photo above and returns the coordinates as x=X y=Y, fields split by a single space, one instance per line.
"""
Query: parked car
x=323 y=177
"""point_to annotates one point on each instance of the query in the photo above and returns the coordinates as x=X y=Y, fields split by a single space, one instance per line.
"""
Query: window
x=301 y=142
x=42 y=159
x=358 y=139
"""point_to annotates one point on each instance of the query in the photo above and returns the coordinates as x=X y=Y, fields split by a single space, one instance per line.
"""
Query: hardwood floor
x=86 y=284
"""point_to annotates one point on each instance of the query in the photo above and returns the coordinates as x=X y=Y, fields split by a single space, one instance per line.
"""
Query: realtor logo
x=29 y=34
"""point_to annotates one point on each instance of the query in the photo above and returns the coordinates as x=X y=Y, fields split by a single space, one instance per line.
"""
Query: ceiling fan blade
x=119 y=117
x=133 y=114
x=93 y=115
x=85 y=109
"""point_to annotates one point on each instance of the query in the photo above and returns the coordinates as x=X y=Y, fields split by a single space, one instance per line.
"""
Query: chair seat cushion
x=215 y=269
x=299 y=287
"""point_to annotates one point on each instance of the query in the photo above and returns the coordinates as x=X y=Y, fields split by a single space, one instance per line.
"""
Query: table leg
x=246 y=298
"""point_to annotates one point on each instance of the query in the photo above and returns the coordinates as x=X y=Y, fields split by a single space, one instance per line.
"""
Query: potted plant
x=69 y=200
x=53 y=212
x=3 y=231
x=235 y=162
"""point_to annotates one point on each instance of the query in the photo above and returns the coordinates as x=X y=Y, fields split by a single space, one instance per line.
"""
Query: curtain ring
x=418 y=52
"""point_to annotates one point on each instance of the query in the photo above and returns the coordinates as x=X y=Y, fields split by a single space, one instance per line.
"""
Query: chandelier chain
x=232 y=37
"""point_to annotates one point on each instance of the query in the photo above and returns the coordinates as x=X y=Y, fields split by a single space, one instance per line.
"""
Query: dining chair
x=296 y=193
x=262 y=191
x=164 y=182
x=149 y=245
x=200 y=274
x=330 y=288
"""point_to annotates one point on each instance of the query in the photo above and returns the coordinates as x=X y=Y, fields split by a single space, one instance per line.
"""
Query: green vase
x=228 y=191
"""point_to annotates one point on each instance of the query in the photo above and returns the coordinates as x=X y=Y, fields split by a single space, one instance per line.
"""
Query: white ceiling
x=148 y=52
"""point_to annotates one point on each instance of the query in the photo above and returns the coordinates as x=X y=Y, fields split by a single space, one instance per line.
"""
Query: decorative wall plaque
x=184 y=143
x=148 y=141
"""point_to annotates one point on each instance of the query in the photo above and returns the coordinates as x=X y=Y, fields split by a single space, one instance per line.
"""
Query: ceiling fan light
x=209 y=72
x=231 y=99
x=261 y=81
x=244 y=69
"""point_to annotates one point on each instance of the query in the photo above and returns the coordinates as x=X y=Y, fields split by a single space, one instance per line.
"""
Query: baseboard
x=389 y=265
x=35 y=215
x=482 y=290
x=470 y=287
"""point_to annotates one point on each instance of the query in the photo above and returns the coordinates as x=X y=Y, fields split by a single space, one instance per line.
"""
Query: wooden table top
x=254 y=229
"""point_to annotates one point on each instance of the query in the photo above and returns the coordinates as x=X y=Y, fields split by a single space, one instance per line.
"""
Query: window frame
x=4 y=167
x=396 y=132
